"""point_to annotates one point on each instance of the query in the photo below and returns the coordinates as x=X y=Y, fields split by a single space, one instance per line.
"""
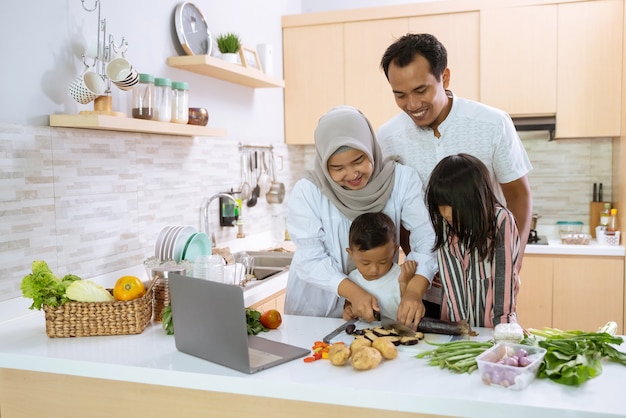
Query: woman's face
x=351 y=169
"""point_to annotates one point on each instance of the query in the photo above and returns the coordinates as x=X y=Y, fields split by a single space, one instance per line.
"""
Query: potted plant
x=229 y=44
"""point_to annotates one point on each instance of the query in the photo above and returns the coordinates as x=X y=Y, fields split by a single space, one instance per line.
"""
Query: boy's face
x=376 y=262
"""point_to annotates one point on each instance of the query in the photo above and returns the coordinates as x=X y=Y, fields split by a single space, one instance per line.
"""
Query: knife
x=339 y=330
x=391 y=324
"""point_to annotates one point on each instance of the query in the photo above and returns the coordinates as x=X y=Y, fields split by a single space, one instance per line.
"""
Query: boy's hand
x=348 y=314
x=362 y=304
x=407 y=271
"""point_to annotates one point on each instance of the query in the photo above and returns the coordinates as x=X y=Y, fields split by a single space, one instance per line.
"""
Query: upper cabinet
x=518 y=55
x=459 y=32
x=366 y=86
x=313 y=66
x=589 y=77
x=553 y=57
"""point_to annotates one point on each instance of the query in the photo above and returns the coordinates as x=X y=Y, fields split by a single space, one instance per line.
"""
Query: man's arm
x=520 y=202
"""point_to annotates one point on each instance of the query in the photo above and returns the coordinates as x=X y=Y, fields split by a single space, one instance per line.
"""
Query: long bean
x=458 y=356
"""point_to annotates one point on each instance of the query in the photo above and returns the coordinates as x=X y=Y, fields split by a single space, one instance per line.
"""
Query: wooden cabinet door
x=518 y=59
x=313 y=68
x=366 y=86
x=588 y=292
x=459 y=33
x=534 y=300
x=590 y=69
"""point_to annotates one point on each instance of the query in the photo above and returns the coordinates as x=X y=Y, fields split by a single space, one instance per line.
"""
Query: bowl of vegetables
x=509 y=365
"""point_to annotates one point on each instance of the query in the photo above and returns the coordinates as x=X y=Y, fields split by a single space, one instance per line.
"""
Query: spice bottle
x=143 y=97
x=612 y=226
x=180 y=102
x=162 y=102
x=605 y=216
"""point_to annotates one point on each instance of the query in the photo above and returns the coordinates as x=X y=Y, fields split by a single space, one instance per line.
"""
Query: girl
x=477 y=243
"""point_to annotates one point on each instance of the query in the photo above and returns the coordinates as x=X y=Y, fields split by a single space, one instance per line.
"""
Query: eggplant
x=439 y=326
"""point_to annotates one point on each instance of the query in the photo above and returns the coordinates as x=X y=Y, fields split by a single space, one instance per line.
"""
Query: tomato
x=271 y=319
x=128 y=288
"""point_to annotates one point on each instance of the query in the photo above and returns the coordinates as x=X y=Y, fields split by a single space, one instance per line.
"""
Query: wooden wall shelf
x=217 y=68
x=125 y=124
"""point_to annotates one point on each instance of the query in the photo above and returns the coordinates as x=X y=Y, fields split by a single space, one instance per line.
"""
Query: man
x=436 y=123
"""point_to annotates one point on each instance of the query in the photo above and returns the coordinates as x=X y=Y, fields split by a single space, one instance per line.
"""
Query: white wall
x=43 y=41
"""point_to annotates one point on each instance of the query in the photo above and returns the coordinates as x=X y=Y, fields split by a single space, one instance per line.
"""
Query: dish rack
x=604 y=239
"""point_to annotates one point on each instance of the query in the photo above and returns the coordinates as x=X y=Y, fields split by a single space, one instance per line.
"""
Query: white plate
x=169 y=245
x=163 y=250
x=159 y=241
x=421 y=346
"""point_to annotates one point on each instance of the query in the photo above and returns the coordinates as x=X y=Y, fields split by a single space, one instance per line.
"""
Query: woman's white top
x=320 y=233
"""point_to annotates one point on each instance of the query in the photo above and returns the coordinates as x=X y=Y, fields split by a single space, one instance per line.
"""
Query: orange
x=271 y=319
x=128 y=288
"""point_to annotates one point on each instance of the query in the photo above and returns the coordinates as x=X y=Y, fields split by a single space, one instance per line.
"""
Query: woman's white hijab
x=346 y=126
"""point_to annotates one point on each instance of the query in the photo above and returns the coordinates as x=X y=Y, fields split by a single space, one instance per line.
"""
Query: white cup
x=87 y=86
x=121 y=73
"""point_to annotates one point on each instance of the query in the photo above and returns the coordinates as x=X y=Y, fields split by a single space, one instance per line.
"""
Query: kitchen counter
x=556 y=247
x=65 y=377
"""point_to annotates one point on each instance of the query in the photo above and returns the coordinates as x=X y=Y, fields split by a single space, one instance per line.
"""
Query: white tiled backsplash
x=92 y=202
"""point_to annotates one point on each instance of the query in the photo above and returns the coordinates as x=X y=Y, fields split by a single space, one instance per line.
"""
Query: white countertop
x=404 y=384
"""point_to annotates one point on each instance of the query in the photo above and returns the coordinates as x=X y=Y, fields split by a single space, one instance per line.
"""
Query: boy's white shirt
x=385 y=289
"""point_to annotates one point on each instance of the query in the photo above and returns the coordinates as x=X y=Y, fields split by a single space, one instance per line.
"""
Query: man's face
x=418 y=93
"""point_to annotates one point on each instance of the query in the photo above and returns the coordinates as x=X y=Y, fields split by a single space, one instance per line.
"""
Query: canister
x=162 y=102
x=180 y=102
x=143 y=97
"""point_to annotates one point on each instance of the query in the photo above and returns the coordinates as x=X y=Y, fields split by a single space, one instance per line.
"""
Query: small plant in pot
x=229 y=44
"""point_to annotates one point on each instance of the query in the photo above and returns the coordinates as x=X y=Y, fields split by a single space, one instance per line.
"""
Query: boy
x=373 y=245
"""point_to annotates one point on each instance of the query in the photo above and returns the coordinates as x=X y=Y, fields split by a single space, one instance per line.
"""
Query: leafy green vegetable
x=573 y=357
x=44 y=287
x=88 y=291
x=458 y=356
x=167 y=320
x=253 y=321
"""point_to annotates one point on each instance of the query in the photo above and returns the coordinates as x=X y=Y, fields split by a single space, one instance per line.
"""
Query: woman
x=478 y=244
x=351 y=177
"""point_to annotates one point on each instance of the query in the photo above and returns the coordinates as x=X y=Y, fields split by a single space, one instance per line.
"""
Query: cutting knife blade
x=338 y=330
x=400 y=328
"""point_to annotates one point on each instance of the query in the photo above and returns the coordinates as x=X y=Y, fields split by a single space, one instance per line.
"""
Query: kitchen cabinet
x=518 y=56
x=366 y=86
x=349 y=72
x=275 y=301
x=589 y=76
x=460 y=33
x=571 y=292
x=313 y=67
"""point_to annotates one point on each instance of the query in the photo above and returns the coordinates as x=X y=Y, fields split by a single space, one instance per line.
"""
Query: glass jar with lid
x=143 y=97
x=162 y=102
x=180 y=102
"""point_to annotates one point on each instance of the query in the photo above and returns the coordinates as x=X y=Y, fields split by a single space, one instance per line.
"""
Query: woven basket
x=86 y=319
x=161 y=299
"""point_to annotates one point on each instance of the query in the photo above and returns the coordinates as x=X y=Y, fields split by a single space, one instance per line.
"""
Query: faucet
x=204 y=213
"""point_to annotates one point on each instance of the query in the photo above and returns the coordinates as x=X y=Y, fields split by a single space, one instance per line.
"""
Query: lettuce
x=44 y=287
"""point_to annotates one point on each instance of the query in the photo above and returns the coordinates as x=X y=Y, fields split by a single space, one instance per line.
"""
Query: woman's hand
x=362 y=304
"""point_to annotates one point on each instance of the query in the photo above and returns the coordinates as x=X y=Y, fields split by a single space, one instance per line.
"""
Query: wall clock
x=192 y=30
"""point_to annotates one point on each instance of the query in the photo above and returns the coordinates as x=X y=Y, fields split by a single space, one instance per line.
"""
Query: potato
x=366 y=358
x=359 y=342
x=386 y=348
x=338 y=354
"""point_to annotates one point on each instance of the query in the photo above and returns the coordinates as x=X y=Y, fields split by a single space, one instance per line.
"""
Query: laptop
x=210 y=323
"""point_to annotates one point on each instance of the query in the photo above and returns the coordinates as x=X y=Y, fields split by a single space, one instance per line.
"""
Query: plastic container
x=575 y=239
x=180 y=102
x=569 y=227
x=143 y=97
x=508 y=376
x=162 y=99
x=604 y=239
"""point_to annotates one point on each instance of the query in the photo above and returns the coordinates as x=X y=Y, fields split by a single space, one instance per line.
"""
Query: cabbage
x=88 y=291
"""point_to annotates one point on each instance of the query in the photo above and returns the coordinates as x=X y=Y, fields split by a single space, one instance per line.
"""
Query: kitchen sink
x=266 y=263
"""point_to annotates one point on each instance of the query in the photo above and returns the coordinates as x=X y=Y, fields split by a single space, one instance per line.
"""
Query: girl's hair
x=463 y=182
x=371 y=230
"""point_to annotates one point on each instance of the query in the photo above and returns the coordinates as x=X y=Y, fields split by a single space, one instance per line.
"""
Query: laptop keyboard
x=260 y=358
